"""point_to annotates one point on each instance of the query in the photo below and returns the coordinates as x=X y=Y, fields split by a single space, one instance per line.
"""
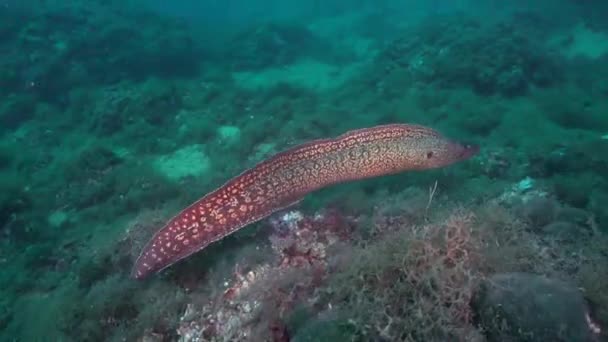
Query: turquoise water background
x=115 y=115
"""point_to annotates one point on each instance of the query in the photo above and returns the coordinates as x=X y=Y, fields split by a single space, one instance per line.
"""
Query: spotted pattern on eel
x=287 y=177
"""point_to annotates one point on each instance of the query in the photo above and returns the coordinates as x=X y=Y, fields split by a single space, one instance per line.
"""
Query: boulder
x=528 y=307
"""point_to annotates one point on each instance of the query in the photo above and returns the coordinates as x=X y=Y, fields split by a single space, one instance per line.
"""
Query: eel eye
x=429 y=155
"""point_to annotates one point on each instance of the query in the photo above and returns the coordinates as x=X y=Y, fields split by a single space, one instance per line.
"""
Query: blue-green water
x=116 y=115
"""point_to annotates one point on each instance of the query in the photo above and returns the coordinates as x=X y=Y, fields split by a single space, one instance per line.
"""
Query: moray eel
x=287 y=177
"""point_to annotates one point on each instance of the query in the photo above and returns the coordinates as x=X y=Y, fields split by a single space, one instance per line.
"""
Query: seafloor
x=113 y=118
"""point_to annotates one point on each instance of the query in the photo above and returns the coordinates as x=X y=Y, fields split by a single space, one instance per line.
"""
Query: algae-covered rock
x=274 y=45
x=15 y=110
x=324 y=328
x=189 y=161
x=153 y=103
x=502 y=58
x=528 y=307
x=597 y=204
x=574 y=189
x=229 y=134
x=58 y=47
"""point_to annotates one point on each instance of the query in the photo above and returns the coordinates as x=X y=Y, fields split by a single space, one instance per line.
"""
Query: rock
x=229 y=134
x=460 y=51
x=563 y=231
x=189 y=161
x=16 y=110
x=58 y=218
x=274 y=45
x=528 y=307
x=599 y=208
x=573 y=215
x=540 y=210
x=326 y=327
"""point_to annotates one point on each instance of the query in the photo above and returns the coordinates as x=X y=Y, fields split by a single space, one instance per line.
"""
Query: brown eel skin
x=287 y=177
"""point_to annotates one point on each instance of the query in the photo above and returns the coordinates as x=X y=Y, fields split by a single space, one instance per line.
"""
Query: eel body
x=287 y=177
